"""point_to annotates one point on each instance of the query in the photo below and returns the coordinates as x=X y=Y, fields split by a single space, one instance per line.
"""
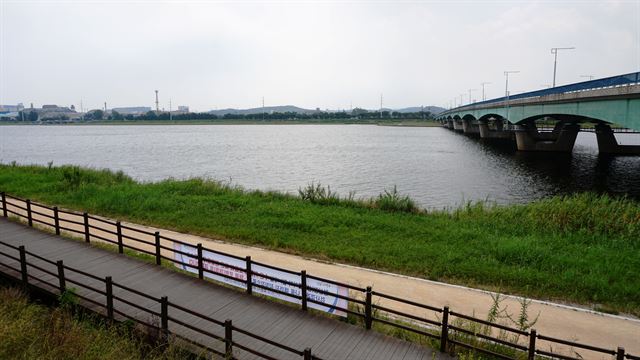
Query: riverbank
x=580 y=249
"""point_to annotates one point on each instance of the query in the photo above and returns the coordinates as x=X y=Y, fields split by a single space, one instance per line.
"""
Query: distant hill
x=260 y=110
x=299 y=110
x=431 y=109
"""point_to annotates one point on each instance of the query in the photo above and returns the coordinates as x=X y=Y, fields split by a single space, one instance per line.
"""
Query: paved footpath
x=328 y=338
x=555 y=320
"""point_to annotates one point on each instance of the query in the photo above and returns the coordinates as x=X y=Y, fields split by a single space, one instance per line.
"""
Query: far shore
x=384 y=122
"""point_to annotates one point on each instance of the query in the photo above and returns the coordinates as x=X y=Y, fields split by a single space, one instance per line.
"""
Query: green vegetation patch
x=582 y=248
x=32 y=331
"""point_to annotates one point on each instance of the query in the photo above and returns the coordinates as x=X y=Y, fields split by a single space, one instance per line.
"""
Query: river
x=436 y=167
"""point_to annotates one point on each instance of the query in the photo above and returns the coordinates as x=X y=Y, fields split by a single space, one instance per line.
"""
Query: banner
x=239 y=279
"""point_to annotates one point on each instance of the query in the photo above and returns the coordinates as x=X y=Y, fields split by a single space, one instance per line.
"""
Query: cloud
x=327 y=55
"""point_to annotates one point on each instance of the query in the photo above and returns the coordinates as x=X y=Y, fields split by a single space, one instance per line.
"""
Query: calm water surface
x=436 y=167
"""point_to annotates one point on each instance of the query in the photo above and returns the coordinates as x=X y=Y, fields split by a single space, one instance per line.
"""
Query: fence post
x=86 y=227
x=367 y=309
x=29 y=217
x=249 y=275
x=4 y=204
x=200 y=263
x=158 y=258
x=532 y=344
x=119 y=233
x=444 y=334
x=303 y=287
x=164 y=316
x=23 y=265
x=61 y=280
x=56 y=220
x=620 y=353
x=306 y=355
x=109 y=287
x=228 y=339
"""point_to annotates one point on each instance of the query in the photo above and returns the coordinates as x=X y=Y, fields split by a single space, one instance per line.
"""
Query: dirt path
x=555 y=320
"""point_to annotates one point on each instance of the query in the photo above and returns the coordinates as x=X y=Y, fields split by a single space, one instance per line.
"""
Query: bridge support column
x=450 y=124
x=469 y=128
x=528 y=138
x=607 y=143
x=457 y=125
x=498 y=134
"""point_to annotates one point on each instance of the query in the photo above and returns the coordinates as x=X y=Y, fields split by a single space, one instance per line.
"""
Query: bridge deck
x=328 y=338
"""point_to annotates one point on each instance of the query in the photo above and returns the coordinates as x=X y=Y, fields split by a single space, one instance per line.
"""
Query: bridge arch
x=570 y=118
x=489 y=116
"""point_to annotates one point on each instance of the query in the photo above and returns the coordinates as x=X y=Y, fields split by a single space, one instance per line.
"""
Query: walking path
x=555 y=320
x=328 y=338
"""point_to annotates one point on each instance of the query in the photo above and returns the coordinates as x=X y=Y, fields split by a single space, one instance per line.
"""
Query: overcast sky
x=314 y=54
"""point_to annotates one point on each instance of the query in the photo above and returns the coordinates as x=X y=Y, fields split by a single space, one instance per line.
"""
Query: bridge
x=594 y=104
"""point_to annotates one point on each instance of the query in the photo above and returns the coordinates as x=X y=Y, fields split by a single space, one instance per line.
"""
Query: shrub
x=393 y=201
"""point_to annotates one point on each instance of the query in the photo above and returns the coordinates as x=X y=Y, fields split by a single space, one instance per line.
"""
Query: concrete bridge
x=594 y=104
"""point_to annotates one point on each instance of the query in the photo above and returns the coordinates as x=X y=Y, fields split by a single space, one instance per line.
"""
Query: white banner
x=331 y=302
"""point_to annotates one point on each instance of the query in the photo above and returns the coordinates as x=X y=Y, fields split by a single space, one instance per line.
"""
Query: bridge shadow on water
x=565 y=173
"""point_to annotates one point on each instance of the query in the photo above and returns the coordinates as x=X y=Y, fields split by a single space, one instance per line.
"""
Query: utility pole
x=170 y=115
x=461 y=99
x=381 y=106
x=483 y=84
x=263 y=108
x=554 y=51
x=157 y=103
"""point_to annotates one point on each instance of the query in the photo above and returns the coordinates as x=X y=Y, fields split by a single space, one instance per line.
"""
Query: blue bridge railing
x=618 y=80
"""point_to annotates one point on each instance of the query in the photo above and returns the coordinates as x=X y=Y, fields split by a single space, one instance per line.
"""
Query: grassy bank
x=582 y=248
x=33 y=331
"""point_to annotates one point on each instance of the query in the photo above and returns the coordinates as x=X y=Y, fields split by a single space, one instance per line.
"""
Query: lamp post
x=554 y=51
x=506 y=90
x=483 y=84
x=470 y=90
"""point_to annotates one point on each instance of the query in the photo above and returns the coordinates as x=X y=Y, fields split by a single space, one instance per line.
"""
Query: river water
x=436 y=167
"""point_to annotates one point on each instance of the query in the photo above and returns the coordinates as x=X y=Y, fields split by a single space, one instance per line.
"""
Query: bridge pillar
x=498 y=134
x=457 y=125
x=450 y=124
x=529 y=139
x=469 y=128
x=607 y=143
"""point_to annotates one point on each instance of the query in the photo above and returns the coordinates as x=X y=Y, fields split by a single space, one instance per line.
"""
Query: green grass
x=34 y=331
x=582 y=248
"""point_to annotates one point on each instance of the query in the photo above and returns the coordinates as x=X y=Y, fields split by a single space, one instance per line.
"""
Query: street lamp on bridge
x=506 y=89
x=470 y=90
x=483 y=84
x=506 y=84
x=554 y=51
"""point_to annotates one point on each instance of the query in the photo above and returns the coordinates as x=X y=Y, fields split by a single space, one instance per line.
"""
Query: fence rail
x=364 y=300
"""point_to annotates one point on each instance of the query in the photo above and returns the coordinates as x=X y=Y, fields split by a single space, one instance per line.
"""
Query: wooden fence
x=449 y=328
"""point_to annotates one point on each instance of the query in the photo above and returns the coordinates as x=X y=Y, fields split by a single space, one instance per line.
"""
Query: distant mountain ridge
x=260 y=110
x=299 y=110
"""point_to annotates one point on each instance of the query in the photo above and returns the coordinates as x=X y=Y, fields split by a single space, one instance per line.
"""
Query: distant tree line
x=355 y=114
